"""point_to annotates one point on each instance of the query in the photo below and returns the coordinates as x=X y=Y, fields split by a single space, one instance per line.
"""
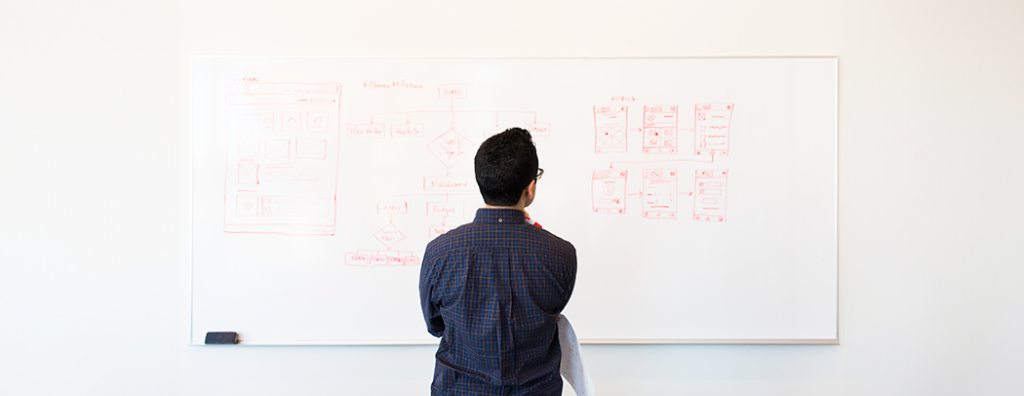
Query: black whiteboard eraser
x=221 y=337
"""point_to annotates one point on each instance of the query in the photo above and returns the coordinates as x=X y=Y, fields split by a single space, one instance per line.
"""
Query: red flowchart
x=441 y=196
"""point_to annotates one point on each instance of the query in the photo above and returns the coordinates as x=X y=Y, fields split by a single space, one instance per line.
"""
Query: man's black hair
x=505 y=165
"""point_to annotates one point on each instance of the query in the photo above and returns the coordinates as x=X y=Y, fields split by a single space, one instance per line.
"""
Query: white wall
x=94 y=188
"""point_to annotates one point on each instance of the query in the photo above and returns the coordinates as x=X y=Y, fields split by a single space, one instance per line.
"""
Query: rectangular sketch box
x=406 y=130
x=392 y=207
x=291 y=121
x=608 y=190
x=317 y=121
x=438 y=230
x=248 y=147
x=358 y=259
x=449 y=183
x=277 y=148
x=394 y=259
x=365 y=130
x=311 y=148
x=539 y=129
x=276 y=177
x=446 y=209
x=246 y=123
x=712 y=123
x=709 y=195
x=265 y=122
x=247 y=205
x=610 y=129
x=295 y=206
x=248 y=173
x=661 y=133
x=453 y=91
x=378 y=260
x=660 y=194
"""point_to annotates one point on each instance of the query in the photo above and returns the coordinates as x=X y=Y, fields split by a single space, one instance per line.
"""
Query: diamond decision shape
x=389 y=235
x=449 y=147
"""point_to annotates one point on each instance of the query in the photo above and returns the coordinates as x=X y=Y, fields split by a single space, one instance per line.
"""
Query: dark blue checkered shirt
x=492 y=289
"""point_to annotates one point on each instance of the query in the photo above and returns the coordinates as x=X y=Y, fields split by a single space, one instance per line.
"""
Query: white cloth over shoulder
x=574 y=369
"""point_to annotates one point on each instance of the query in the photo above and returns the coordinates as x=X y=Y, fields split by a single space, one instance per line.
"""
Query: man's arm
x=569 y=282
x=431 y=312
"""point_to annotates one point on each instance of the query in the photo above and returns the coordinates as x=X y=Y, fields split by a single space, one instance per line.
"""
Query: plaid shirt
x=492 y=289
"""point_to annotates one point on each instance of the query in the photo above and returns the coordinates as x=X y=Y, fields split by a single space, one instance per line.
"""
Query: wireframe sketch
x=281 y=158
x=609 y=191
x=711 y=125
x=610 y=129
x=660 y=194
x=661 y=129
x=709 y=198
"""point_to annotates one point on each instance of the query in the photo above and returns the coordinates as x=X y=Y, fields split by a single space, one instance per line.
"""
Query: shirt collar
x=499 y=216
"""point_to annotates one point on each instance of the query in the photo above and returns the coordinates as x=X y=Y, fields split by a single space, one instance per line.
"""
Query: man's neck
x=519 y=207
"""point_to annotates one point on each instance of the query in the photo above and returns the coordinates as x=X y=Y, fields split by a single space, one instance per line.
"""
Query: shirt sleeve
x=570 y=279
x=431 y=311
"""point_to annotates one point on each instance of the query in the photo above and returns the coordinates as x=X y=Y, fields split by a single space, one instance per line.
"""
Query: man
x=493 y=289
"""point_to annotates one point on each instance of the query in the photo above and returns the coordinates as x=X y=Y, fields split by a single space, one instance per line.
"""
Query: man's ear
x=529 y=193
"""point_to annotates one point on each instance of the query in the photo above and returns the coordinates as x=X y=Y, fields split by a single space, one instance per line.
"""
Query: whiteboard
x=700 y=193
